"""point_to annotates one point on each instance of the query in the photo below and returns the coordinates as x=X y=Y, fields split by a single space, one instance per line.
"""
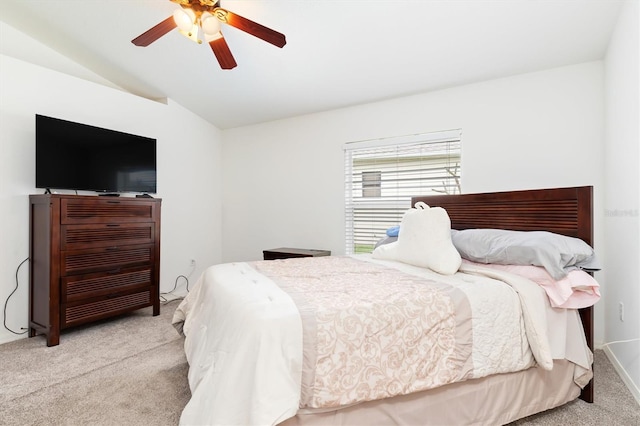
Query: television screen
x=81 y=157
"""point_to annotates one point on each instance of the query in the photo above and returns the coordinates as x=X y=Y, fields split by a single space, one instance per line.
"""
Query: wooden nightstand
x=286 y=252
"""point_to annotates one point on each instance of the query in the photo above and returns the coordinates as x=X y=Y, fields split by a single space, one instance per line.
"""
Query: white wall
x=536 y=130
x=189 y=170
x=284 y=180
x=622 y=199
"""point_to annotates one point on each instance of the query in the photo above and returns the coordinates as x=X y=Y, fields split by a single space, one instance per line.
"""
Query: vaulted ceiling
x=338 y=53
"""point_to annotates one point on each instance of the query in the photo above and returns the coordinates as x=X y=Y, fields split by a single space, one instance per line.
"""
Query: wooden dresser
x=91 y=258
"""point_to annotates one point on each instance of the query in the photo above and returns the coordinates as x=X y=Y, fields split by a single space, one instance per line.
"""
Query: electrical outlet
x=621 y=311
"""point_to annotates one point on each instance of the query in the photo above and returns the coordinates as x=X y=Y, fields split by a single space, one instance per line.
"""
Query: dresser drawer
x=102 y=210
x=78 y=313
x=105 y=259
x=79 y=287
x=76 y=237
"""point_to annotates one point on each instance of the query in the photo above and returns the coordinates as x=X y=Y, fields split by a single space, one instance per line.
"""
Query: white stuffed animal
x=424 y=240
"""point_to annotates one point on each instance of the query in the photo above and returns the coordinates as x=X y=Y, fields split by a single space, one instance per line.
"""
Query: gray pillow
x=558 y=254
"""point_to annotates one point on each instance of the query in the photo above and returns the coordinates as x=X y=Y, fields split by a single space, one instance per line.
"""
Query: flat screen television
x=78 y=156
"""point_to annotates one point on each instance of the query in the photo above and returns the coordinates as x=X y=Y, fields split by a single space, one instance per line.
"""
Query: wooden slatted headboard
x=565 y=211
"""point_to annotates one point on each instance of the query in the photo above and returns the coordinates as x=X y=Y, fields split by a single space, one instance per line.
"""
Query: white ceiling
x=338 y=53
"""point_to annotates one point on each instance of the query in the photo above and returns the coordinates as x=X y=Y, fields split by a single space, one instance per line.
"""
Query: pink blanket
x=577 y=290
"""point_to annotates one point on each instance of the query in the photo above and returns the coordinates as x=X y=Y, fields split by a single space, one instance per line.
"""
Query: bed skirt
x=491 y=400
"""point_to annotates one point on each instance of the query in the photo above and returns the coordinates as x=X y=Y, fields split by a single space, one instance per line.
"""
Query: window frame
x=391 y=207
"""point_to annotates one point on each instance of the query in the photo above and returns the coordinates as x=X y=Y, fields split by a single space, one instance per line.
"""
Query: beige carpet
x=132 y=371
x=127 y=371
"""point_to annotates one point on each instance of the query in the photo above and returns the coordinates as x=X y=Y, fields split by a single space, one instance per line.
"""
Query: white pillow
x=424 y=240
x=387 y=251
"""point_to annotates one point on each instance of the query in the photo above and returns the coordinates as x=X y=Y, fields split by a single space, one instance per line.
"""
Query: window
x=382 y=175
x=371 y=184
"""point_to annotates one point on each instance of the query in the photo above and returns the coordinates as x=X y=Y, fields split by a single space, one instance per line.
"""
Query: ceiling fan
x=207 y=15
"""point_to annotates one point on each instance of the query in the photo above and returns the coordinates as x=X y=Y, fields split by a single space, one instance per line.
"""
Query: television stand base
x=109 y=194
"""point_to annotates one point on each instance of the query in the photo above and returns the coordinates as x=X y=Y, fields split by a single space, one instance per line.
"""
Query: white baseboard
x=633 y=388
x=10 y=338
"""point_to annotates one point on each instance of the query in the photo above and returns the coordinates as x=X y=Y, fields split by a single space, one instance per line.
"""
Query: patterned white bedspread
x=266 y=338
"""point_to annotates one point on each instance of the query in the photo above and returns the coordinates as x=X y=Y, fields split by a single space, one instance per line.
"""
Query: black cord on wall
x=7 y=301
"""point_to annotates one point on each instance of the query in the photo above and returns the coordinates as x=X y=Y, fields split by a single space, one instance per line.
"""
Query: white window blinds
x=382 y=175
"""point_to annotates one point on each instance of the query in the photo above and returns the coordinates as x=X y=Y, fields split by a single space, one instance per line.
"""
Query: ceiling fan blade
x=253 y=28
x=223 y=53
x=154 y=33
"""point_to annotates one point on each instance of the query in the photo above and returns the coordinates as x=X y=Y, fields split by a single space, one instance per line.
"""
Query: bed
x=244 y=324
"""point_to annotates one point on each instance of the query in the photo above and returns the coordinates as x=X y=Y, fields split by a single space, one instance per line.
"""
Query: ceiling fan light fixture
x=185 y=19
x=210 y=24
x=192 y=34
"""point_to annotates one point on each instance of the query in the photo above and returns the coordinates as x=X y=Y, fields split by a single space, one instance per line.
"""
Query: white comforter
x=245 y=350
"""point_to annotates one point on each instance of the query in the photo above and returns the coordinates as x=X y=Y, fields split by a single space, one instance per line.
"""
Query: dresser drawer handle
x=115 y=248
x=114 y=271
x=113 y=224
